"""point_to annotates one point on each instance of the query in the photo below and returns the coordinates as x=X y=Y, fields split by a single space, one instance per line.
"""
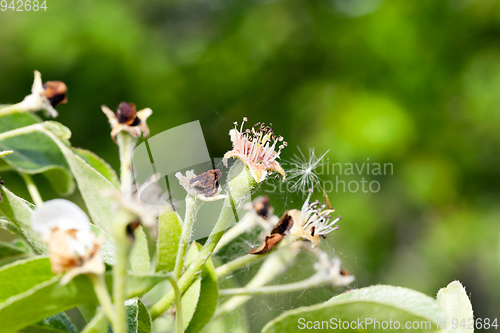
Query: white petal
x=59 y=213
x=454 y=300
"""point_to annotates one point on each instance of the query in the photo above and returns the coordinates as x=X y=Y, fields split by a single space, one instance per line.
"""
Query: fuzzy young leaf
x=98 y=164
x=169 y=234
x=10 y=252
x=138 y=317
x=35 y=152
x=98 y=324
x=209 y=295
x=31 y=292
x=382 y=303
x=139 y=256
x=18 y=211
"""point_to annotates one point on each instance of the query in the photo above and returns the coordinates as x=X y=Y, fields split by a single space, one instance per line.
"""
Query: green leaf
x=138 y=317
x=189 y=301
x=21 y=276
x=92 y=184
x=6 y=224
x=31 y=292
x=139 y=256
x=169 y=234
x=209 y=295
x=383 y=303
x=98 y=164
x=10 y=252
x=18 y=211
x=98 y=324
x=108 y=246
x=13 y=121
x=35 y=152
x=59 y=322
x=40 y=329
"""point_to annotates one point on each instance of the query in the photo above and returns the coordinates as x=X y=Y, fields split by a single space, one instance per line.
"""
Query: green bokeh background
x=412 y=83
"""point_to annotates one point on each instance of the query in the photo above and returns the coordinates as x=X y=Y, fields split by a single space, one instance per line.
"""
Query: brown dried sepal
x=276 y=236
x=56 y=92
x=131 y=227
x=127 y=114
x=207 y=183
x=262 y=207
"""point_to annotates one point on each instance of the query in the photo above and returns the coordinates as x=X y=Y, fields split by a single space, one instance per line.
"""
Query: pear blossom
x=313 y=221
x=256 y=149
x=73 y=247
x=43 y=96
x=205 y=187
x=332 y=271
x=128 y=119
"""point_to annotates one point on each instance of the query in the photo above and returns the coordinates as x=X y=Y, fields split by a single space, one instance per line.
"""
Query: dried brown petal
x=127 y=114
x=207 y=183
x=276 y=235
x=56 y=92
x=268 y=244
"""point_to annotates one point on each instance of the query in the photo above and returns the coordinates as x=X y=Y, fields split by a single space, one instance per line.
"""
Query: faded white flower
x=256 y=149
x=313 y=221
x=332 y=271
x=146 y=203
x=205 y=187
x=128 y=119
x=44 y=96
x=73 y=247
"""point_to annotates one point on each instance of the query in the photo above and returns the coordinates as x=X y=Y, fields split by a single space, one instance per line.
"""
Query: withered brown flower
x=43 y=96
x=205 y=186
x=128 y=119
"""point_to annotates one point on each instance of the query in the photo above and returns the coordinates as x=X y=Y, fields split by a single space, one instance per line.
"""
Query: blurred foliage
x=412 y=83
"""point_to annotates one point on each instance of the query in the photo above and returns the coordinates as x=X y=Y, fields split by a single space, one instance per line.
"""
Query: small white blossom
x=332 y=271
x=313 y=221
x=73 y=247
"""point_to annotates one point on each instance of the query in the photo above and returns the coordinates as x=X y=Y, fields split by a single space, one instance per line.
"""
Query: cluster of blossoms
x=74 y=248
